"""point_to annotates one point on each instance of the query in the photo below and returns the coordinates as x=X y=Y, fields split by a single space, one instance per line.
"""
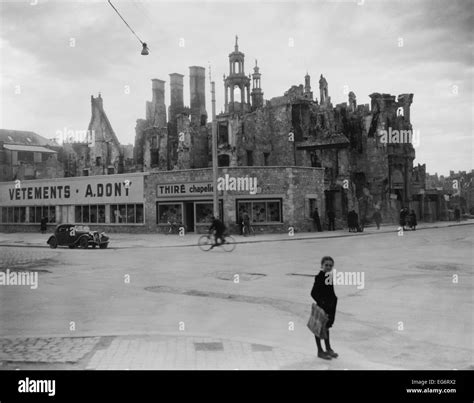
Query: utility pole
x=214 y=151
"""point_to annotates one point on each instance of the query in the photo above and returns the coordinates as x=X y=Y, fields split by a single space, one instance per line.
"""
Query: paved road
x=145 y=307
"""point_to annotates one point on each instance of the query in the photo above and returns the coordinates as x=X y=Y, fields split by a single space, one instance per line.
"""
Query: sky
x=55 y=54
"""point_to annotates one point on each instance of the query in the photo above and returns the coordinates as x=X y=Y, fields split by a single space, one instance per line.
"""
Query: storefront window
x=126 y=213
x=13 y=214
x=93 y=214
x=85 y=214
x=52 y=214
x=101 y=214
x=90 y=214
x=78 y=213
x=169 y=213
x=139 y=212
x=123 y=213
x=204 y=213
x=244 y=207
x=260 y=211
x=273 y=211
x=131 y=213
x=38 y=212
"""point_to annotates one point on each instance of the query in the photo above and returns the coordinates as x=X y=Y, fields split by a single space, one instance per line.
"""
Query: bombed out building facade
x=365 y=151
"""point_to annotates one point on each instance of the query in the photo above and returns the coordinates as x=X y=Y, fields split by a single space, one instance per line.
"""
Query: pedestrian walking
x=332 y=220
x=324 y=311
x=351 y=220
x=377 y=218
x=357 y=227
x=246 y=223
x=403 y=217
x=43 y=224
x=413 y=221
x=316 y=221
x=241 y=223
x=457 y=214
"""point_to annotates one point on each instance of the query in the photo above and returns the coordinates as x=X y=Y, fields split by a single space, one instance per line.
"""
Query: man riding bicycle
x=219 y=228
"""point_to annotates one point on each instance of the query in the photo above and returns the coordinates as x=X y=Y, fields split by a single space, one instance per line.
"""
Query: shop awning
x=35 y=149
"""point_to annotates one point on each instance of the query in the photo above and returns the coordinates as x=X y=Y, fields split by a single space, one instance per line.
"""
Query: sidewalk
x=166 y=352
x=125 y=240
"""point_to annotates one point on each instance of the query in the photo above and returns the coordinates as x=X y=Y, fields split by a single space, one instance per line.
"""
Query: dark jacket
x=377 y=216
x=44 y=224
x=413 y=220
x=324 y=296
x=218 y=226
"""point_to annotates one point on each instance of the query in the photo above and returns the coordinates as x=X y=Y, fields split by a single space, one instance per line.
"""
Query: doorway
x=189 y=216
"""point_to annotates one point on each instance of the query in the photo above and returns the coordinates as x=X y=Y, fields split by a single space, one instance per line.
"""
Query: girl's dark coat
x=324 y=296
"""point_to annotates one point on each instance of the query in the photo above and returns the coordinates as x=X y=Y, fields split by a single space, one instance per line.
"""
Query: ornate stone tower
x=237 y=78
x=257 y=94
x=307 y=87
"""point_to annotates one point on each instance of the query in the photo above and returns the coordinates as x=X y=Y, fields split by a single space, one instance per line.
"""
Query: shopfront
x=283 y=197
x=276 y=200
x=109 y=200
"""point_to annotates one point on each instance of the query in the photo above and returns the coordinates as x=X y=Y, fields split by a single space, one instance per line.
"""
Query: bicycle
x=247 y=230
x=174 y=227
x=205 y=243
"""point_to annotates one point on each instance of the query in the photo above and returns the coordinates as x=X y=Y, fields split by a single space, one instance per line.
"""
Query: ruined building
x=27 y=155
x=182 y=141
x=99 y=152
x=363 y=169
x=365 y=150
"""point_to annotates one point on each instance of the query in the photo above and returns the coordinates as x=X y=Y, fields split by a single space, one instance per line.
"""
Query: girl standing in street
x=323 y=294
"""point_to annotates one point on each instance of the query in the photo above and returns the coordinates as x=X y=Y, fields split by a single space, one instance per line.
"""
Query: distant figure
x=413 y=222
x=377 y=218
x=246 y=223
x=43 y=224
x=352 y=221
x=241 y=223
x=332 y=220
x=316 y=221
x=357 y=227
x=403 y=217
x=457 y=214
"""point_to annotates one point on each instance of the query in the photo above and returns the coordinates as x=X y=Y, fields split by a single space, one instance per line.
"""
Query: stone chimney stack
x=197 y=81
x=156 y=109
x=176 y=85
x=158 y=88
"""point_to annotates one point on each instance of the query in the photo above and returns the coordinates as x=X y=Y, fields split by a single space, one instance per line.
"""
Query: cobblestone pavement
x=152 y=353
x=46 y=350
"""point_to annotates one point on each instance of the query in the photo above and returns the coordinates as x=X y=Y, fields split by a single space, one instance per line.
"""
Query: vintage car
x=76 y=235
